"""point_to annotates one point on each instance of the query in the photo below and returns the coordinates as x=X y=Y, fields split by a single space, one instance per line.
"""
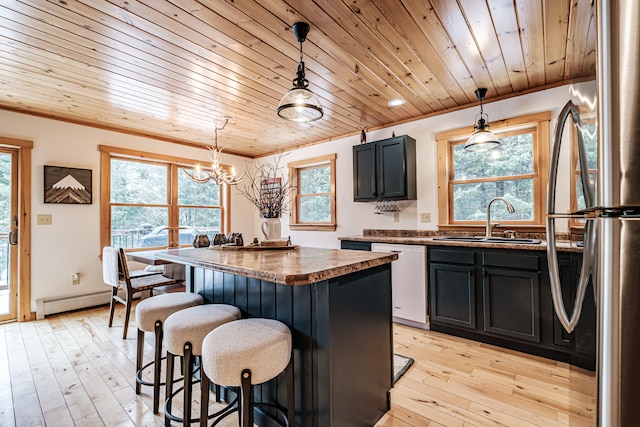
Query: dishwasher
x=409 y=283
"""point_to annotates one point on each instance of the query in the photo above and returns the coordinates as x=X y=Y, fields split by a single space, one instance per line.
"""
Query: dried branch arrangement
x=267 y=187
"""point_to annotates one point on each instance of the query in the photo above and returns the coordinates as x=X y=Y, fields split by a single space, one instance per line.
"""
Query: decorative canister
x=201 y=241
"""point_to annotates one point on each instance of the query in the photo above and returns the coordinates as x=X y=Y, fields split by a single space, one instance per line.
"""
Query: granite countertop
x=562 y=246
x=300 y=266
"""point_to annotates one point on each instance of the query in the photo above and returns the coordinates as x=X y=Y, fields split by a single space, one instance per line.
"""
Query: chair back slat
x=124 y=267
x=110 y=263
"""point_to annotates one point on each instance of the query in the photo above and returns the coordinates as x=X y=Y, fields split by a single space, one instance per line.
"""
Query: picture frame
x=63 y=185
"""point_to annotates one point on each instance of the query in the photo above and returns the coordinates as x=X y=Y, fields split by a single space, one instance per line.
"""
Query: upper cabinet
x=385 y=169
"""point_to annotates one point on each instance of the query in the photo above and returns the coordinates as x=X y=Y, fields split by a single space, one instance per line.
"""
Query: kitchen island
x=337 y=304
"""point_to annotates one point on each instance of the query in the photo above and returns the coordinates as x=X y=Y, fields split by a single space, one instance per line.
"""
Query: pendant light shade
x=300 y=104
x=482 y=139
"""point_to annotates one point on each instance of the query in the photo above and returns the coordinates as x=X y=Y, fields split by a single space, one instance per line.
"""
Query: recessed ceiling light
x=396 y=102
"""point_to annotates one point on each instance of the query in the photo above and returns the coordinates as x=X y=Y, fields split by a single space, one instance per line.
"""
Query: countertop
x=562 y=246
x=299 y=266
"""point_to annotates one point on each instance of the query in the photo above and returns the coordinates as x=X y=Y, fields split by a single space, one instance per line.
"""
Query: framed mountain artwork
x=67 y=185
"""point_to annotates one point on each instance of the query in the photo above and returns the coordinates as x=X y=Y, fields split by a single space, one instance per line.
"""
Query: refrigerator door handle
x=589 y=252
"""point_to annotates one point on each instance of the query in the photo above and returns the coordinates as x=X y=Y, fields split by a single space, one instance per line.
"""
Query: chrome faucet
x=490 y=224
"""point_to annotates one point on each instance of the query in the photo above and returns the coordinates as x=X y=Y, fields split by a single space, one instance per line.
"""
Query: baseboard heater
x=45 y=306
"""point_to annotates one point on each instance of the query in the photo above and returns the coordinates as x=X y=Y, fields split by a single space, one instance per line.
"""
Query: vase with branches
x=267 y=187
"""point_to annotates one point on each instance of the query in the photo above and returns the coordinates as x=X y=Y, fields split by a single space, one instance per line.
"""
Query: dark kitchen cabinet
x=511 y=295
x=355 y=244
x=385 y=170
x=503 y=297
x=452 y=290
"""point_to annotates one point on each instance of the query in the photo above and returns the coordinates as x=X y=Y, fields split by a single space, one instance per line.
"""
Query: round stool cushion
x=261 y=345
x=194 y=323
x=160 y=307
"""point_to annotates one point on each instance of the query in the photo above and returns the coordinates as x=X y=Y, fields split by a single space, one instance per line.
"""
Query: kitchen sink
x=483 y=239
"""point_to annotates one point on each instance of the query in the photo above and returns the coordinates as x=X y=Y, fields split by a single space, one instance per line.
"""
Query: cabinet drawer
x=355 y=244
x=453 y=256
x=512 y=260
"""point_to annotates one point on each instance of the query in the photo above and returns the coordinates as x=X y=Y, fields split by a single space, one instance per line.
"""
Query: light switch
x=44 y=220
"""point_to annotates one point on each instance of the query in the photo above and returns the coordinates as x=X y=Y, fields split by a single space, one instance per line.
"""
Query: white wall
x=71 y=244
x=353 y=217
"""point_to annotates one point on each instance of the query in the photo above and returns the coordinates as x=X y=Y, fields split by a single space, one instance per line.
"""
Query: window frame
x=586 y=119
x=174 y=164
x=537 y=123
x=294 y=176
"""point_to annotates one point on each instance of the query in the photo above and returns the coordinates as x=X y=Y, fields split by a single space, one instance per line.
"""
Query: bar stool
x=151 y=313
x=244 y=353
x=184 y=332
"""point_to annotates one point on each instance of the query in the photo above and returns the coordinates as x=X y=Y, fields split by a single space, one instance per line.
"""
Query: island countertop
x=299 y=266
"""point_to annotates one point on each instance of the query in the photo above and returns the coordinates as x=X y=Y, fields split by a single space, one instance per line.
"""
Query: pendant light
x=482 y=139
x=300 y=104
x=217 y=174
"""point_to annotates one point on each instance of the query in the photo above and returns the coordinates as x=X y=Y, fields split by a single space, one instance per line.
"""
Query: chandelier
x=217 y=173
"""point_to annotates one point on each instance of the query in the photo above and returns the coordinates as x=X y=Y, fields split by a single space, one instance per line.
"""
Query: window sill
x=313 y=227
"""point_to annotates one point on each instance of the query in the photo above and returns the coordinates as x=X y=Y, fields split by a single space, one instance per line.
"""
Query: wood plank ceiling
x=173 y=69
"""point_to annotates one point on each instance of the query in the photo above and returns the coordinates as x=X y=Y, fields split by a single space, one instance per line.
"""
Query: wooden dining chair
x=115 y=273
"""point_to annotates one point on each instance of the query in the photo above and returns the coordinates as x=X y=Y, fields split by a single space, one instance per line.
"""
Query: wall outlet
x=396 y=217
x=75 y=279
x=44 y=220
x=425 y=217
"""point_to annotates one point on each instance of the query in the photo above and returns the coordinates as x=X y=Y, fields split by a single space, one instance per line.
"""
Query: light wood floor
x=71 y=369
x=458 y=382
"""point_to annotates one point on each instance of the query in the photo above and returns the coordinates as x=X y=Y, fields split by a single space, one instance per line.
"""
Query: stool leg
x=291 y=413
x=205 y=383
x=188 y=383
x=168 y=388
x=246 y=401
x=139 y=357
x=156 y=367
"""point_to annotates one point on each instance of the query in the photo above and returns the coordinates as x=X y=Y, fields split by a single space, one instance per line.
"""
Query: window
x=147 y=201
x=313 y=203
x=518 y=172
x=589 y=136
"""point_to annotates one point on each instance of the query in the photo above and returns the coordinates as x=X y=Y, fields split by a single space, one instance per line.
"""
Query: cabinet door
x=364 y=172
x=396 y=168
x=511 y=302
x=584 y=335
x=452 y=297
x=560 y=336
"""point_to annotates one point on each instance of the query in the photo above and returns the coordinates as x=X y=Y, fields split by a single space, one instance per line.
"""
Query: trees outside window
x=313 y=204
x=151 y=203
x=589 y=136
x=517 y=171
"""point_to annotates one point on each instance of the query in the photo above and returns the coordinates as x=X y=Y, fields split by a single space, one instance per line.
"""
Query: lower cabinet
x=503 y=297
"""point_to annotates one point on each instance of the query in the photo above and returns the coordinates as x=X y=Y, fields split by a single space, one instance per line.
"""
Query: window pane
x=589 y=137
x=140 y=183
x=580 y=193
x=470 y=200
x=194 y=194
x=516 y=158
x=137 y=226
x=200 y=221
x=315 y=209
x=315 y=180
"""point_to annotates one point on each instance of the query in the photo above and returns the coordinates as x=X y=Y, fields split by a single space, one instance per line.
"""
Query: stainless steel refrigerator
x=611 y=254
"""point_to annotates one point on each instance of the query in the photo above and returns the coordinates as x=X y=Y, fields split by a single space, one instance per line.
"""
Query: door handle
x=13 y=234
x=13 y=237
